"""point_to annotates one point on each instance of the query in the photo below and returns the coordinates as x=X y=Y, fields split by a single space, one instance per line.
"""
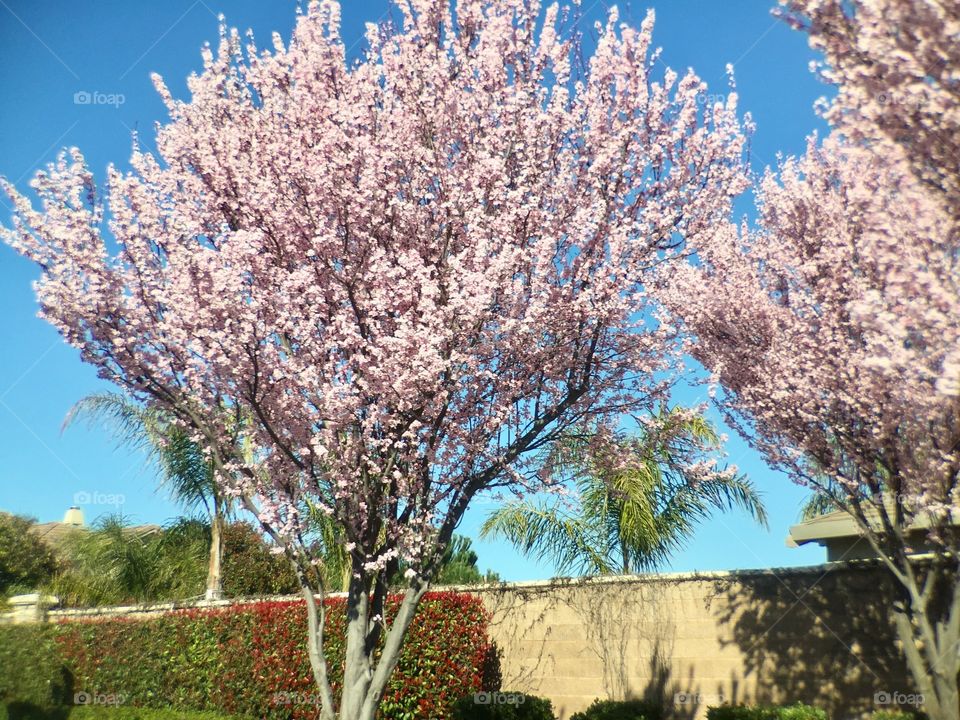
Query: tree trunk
x=365 y=675
x=928 y=626
x=357 y=672
x=214 y=579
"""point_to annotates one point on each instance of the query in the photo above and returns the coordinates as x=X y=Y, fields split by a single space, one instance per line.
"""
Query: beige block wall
x=819 y=635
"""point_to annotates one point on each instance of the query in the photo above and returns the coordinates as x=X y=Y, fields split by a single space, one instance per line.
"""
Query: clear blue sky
x=51 y=51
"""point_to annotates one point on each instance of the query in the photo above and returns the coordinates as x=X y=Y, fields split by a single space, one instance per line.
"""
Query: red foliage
x=252 y=659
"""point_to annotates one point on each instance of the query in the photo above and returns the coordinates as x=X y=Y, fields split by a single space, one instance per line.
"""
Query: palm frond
x=816 y=505
x=327 y=541
x=132 y=425
x=548 y=534
x=185 y=472
x=635 y=511
x=726 y=494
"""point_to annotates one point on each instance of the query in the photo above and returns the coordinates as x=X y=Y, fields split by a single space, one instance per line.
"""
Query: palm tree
x=458 y=566
x=184 y=469
x=830 y=495
x=631 y=515
x=328 y=543
x=116 y=563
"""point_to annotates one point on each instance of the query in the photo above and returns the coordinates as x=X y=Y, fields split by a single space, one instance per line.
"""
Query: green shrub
x=26 y=561
x=766 y=712
x=26 y=711
x=502 y=706
x=898 y=715
x=32 y=671
x=250 y=568
x=801 y=712
x=620 y=710
x=742 y=712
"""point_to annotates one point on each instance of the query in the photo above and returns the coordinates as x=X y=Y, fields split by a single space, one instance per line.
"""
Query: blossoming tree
x=378 y=288
x=833 y=324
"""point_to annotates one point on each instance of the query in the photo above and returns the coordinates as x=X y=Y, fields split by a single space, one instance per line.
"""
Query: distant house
x=838 y=532
x=54 y=533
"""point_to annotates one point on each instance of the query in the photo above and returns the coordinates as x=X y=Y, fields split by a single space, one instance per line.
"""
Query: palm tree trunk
x=214 y=578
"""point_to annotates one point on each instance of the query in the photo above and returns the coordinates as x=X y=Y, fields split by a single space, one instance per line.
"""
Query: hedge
x=32 y=670
x=620 y=710
x=502 y=706
x=798 y=711
x=101 y=712
x=251 y=660
x=898 y=714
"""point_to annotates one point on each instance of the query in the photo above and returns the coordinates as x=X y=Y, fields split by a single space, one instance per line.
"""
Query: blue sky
x=77 y=73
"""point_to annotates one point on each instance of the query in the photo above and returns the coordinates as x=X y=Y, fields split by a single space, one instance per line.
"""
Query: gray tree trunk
x=365 y=680
x=927 y=615
x=365 y=676
x=931 y=640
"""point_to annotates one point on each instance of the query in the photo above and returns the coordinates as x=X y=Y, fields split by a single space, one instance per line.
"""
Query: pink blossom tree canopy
x=833 y=323
x=376 y=288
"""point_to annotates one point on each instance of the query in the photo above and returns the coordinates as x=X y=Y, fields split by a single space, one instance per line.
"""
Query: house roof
x=840 y=524
x=54 y=533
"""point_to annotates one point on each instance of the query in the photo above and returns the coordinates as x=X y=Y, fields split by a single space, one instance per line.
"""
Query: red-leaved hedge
x=252 y=659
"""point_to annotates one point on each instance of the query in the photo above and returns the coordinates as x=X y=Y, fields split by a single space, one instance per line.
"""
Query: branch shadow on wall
x=625 y=636
x=826 y=639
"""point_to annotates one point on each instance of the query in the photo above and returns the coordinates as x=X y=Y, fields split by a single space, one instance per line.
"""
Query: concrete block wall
x=821 y=635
